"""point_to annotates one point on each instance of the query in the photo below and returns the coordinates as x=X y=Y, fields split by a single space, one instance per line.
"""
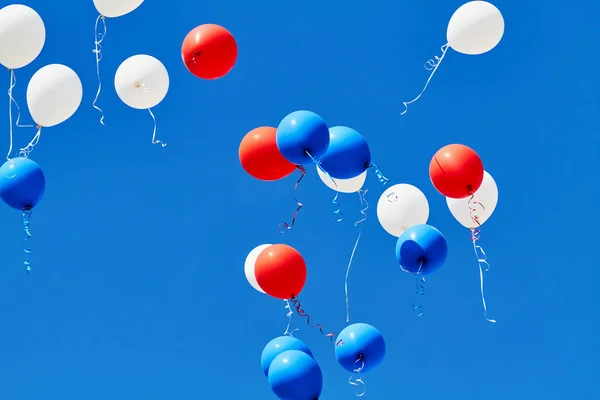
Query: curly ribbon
x=302 y=313
x=356 y=380
x=139 y=86
x=26 y=219
x=479 y=252
x=289 y=316
x=391 y=197
x=25 y=151
x=431 y=65
x=11 y=100
x=364 y=206
x=338 y=216
x=284 y=226
x=98 y=38
x=419 y=291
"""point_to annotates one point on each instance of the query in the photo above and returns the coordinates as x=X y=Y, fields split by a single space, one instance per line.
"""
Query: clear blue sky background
x=138 y=290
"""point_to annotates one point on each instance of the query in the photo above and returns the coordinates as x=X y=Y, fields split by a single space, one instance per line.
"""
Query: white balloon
x=54 y=94
x=475 y=28
x=22 y=36
x=142 y=82
x=351 y=185
x=400 y=207
x=251 y=263
x=484 y=203
x=116 y=8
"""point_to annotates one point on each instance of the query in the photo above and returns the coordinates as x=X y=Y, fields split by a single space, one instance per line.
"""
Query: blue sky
x=138 y=290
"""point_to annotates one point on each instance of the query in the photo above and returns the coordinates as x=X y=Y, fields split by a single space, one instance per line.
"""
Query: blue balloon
x=294 y=375
x=348 y=154
x=302 y=132
x=363 y=347
x=277 y=346
x=421 y=245
x=22 y=183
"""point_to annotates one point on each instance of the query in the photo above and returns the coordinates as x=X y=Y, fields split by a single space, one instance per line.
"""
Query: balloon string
x=25 y=151
x=356 y=380
x=301 y=313
x=338 y=216
x=284 y=226
x=364 y=206
x=154 y=141
x=289 y=316
x=26 y=219
x=431 y=65
x=391 y=197
x=479 y=252
x=11 y=100
x=419 y=291
x=98 y=38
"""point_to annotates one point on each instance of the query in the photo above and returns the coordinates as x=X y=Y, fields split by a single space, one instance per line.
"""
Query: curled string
x=419 y=291
x=391 y=197
x=431 y=65
x=11 y=100
x=289 y=316
x=301 y=313
x=98 y=38
x=356 y=380
x=284 y=226
x=26 y=218
x=364 y=206
x=479 y=252
x=154 y=141
x=25 y=151
x=338 y=216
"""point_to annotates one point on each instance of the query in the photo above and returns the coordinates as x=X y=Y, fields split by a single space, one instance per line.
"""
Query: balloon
x=260 y=156
x=456 y=171
x=280 y=271
x=142 y=82
x=400 y=207
x=250 y=264
x=54 y=94
x=484 y=203
x=475 y=28
x=277 y=346
x=209 y=51
x=351 y=185
x=294 y=375
x=116 y=8
x=421 y=246
x=363 y=347
x=302 y=132
x=22 y=183
x=22 y=36
x=348 y=154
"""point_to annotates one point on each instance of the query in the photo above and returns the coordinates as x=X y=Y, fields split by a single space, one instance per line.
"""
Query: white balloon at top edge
x=351 y=185
x=400 y=207
x=22 y=35
x=116 y=8
x=475 y=28
x=142 y=81
x=484 y=202
x=250 y=264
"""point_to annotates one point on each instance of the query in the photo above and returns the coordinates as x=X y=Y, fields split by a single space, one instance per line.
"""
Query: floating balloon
x=209 y=51
x=280 y=271
x=363 y=348
x=22 y=183
x=294 y=375
x=421 y=249
x=475 y=28
x=250 y=265
x=400 y=207
x=351 y=185
x=260 y=156
x=456 y=171
x=481 y=207
x=277 y=346
x=347 y=155
x=54 y=94
x=22 y=36
x=116 y=8
x=302 y=137
x=142 y=82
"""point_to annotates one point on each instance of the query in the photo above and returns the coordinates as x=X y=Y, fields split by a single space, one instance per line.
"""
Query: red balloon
x=456 y=171
x=209 y=51
x=280 y=271
x=260 y=156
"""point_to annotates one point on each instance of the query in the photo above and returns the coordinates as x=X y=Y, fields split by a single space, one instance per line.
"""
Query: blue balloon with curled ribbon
x=302 y=137
x=348 y=154
x=22 y=183
x=421 y=249
x=277 y=346
x=362 y=348
x=294 y=375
